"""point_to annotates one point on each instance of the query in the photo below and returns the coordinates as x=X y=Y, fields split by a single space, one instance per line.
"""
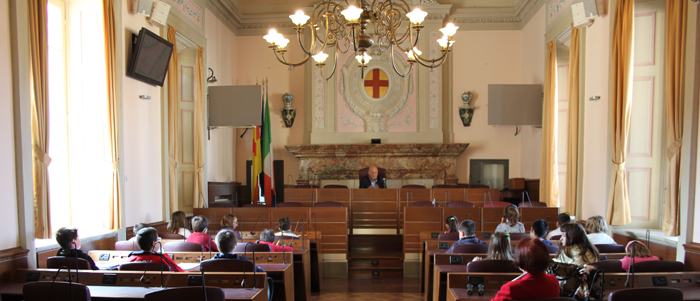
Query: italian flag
x=263 y=186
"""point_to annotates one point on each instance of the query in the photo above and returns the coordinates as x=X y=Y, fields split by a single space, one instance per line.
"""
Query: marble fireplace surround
x=401 y=161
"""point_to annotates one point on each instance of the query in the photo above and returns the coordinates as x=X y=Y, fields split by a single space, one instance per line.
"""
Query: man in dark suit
x=372 y=180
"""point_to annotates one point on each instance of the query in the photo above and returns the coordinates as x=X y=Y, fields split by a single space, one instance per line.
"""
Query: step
x=368 y=273
x=375 y=263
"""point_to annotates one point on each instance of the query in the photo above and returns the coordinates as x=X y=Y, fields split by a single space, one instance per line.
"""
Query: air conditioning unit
x=141 y=7
x=159 y=15
x=584 y=13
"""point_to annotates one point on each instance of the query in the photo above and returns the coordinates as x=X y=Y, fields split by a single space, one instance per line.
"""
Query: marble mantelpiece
x=402 y=161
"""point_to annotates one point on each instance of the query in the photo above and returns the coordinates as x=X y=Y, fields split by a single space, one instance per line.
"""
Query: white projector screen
x=235 y=106
x=515 y=105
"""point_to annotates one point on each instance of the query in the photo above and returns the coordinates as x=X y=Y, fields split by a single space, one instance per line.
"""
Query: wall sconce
x=288 y=113
x=211 y=78
x=466 y=112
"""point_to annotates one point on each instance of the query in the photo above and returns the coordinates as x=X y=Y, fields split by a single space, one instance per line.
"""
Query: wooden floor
x=334 y=289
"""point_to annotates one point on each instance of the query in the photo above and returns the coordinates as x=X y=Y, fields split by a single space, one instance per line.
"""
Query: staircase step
x=375 y=273
x=375 y=263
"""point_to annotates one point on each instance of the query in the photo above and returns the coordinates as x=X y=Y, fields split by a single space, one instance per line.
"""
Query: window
x=80 y=173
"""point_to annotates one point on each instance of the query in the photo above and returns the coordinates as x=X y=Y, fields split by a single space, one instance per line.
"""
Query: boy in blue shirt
x=466 y=235
x=539 y=229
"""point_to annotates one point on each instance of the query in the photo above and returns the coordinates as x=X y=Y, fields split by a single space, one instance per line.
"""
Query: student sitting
x=230 y=222
x=531 y=257
x=285 y=225
x=510 y=223
x=499 y=248
x=146 y=240
x=268 y=237
x=200 y=226
x=67 y=238
x=451 y=224
x=641 y=253
x=226 y=241
x=539 y=229
x=575 y=247
x=466 y=235
x=596 y=228
x=137 y=227
x=177 y=224
x=562 y=218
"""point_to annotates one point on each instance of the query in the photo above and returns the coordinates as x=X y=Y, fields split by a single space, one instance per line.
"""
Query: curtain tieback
x=41 y=155
x=115 y=165
x=199 y=169
x=673 y=149
x=173 y=163
x=618 y=166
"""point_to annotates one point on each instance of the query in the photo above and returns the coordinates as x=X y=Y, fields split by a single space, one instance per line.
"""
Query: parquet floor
x=336 y=289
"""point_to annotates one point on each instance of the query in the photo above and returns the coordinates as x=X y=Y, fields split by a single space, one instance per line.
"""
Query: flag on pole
x=256 y=186
x=267 y=159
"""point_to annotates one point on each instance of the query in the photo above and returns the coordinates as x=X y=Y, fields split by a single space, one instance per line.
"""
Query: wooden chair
x=497 y=204
x=182 y=246
x=144 y=266
x=227 y=265
x=306 y=186
x=471 y=248
x=128 y=245
x=552 y=249
x=245 y=247
x=365 y=171
x=610 y=248
x=449 y=236
x=643 y=294
x=424 y=204
x=413 y=186
x=610 y=266
x=335 y=186
x=460 y=204
x=658 y=266
x=467 y=185
x=444 y=186
x=492 y=266
x=519 y=236
x=168 y=235
x=186 y=293
x=59 y=291
x=56 y=262
x=328 y=204
x=532 y=204
x=289 y=204
x=255 y=205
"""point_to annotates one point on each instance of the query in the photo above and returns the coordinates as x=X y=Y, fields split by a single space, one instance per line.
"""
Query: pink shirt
x=276 y=248
x=626 y=261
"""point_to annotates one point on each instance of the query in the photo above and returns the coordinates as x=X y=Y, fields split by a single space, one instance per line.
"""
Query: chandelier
x=380 y=23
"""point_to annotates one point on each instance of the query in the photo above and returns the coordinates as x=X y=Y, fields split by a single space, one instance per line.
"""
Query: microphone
x=289 y=183
x=630 y=269
x=77 y=274
x=70 y=287
x=143 y=277
x=160 y=247
x=252 y=232
x=295 y=227
x=245 y=252
x=212 y=220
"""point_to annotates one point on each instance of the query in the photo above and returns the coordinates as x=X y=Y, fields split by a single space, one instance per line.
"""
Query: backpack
x=578 y=282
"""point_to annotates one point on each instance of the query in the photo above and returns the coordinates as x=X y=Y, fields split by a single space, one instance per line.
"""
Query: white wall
x=143 y=131
x=221 y=55
x=8 y=197
x=533 y=57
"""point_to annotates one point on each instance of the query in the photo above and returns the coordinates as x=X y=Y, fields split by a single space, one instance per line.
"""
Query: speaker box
x=584 y=13
x=159 y=15
x=141 y=7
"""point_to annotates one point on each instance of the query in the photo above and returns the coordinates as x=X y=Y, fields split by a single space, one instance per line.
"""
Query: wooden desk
x=375 y=209
x=302 y=274
x=531 y=214
x=13 y=291
x=306 y=196
x=446 y=195
x=477 y=196
x=417 y=220
x=215 y=215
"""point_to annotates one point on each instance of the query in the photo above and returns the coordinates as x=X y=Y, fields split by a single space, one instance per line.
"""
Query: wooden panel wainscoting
x=662 y=251
x=532 y=186
x=106 y=243
x=692 y=256
x=161 y=226
x=10 y=261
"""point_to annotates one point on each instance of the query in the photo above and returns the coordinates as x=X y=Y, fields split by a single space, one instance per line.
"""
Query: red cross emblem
x=376 y=83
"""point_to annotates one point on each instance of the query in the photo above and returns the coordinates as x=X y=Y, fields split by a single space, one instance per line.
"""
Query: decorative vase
x=288 y=113
x=466 y=112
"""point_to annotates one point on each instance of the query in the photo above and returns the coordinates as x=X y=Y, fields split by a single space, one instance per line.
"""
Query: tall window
x=80 y=173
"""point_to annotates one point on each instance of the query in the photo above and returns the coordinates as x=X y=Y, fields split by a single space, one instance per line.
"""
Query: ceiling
x=254 y=17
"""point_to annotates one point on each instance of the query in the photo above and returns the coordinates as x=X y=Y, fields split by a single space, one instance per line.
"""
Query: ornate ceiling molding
x=477 y=18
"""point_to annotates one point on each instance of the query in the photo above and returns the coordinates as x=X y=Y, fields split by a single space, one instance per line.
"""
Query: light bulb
x=412 y=53
x=299 y=18
x=271 y=36
x=416 y=16
x=320 y=57
x=352 y=13
x=449 y=30
x=282 y=42
x=364 y=56
x=444 y=42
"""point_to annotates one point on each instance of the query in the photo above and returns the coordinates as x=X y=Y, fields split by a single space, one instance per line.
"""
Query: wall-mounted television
x=150 y=57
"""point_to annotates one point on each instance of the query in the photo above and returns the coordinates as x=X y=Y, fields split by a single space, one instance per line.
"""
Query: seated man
x=372 y=180
x=268 y=237
x=226 y=241
x=146 y=239
x=562 y=218
x=466 y=235
x=67 y=238
x=538 y=231
x=200 y=234
x=285 y=224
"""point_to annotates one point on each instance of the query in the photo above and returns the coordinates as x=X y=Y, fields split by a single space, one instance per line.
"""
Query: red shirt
x=529 y=287
x=276 y=248
x=155 y=258
x=627 y=261
x=202 y=239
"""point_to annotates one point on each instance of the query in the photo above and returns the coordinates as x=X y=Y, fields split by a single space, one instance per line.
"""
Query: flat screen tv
x=150 y=58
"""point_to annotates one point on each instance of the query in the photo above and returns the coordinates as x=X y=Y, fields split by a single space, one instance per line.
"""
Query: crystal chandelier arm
x=393 y=64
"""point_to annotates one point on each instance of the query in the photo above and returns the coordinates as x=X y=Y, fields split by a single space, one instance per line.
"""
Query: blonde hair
x=499 y=248
x=511 y=214
x=596 y=224
x=227 y=221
